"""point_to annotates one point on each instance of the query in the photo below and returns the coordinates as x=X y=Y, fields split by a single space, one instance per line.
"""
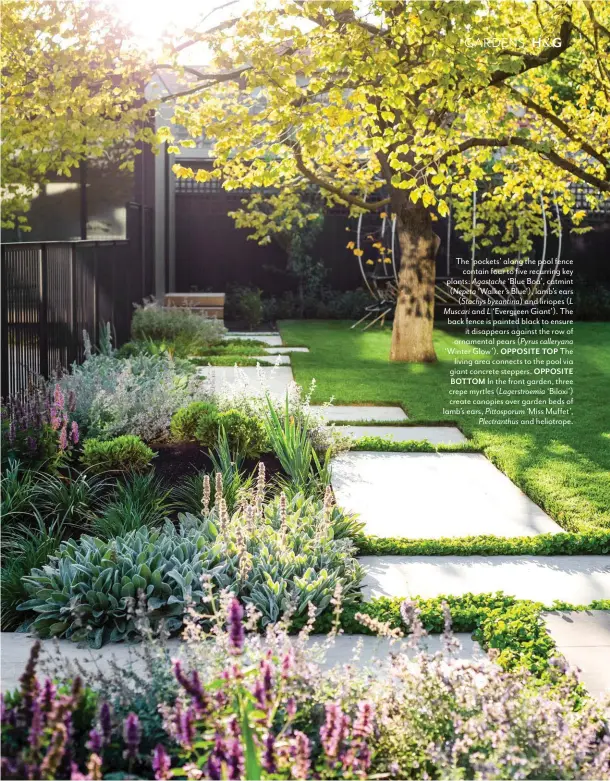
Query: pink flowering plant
x=39 y=429
x=247 y=706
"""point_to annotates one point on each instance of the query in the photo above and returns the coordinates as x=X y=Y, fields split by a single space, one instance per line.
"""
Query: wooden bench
x=209 y=304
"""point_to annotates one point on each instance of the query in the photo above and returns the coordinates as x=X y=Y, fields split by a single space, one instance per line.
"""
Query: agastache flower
x=187 y=728
x=74 y=433
x=63 y=438
x=47 y=695
x=161 y=763
x=365 y=720
x=106 y=723
x=268 y=758
x=131 y=735
x=193 y=686
x=235 y=760
x=301 y=753
x=94 y=744
x=236 y=627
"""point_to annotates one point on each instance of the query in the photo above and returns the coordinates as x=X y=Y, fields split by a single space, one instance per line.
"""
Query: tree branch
x=536 y=60
x=559 y=123
x=315 y=179
x=531 y=146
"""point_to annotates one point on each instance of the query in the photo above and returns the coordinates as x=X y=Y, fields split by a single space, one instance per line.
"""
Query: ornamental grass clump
x=277 y=555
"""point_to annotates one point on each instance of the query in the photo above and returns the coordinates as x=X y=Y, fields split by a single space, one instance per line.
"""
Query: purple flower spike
x=235 y=760
x=58 y=397
x=187 y=728
x=74 y=433
x=161 y=763
x=365 y=720
x=106 y=723
x=47 y=696
x=63 y=438
x=301 y=751
x=94 y=744
x=268 y=758
x=131 y=735
x=236 y=628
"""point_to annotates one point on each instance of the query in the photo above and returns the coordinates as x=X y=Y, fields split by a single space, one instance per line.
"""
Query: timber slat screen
x=54 y=291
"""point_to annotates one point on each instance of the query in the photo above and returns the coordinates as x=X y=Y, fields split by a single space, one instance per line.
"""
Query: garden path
x=431 y=495
x=584 y=639
x=364 y=652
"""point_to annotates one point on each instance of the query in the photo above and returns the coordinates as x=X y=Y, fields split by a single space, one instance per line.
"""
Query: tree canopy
x=72 y=88
x=408 y=108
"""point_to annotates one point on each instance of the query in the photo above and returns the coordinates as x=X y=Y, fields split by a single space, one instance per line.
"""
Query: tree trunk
x=414 y=315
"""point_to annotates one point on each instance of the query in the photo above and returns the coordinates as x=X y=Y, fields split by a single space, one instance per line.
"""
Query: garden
x=141 y=502
x=282 y=552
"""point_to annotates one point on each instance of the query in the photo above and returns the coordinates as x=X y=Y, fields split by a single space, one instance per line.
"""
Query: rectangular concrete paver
x=431 y=495
x=372 y=654
x=275 y=378
x=576 y=579
x=584 y=639
x=276 y=360
x=339 y=413
x=282 y=350
x=436 y=435
x=267 y=337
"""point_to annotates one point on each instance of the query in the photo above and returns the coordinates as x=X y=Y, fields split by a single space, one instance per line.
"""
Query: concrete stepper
x=373 y=653
x=431 y=495
x=436 y=435
x=578 y=580
x=339 y=413
x=282 y=350
x=275 y=378
x=276 y=360
x=584 y=639
x=272 y=339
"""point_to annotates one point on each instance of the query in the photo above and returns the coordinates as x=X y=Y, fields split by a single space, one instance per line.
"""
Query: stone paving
x=372 y=653
x=425 y=495
x=575 y=579
x=584 y=639
x=275 y=378
x=272 y=339
x=340 y=414
x=436 y=435
x=276 y=360
x=282 y=350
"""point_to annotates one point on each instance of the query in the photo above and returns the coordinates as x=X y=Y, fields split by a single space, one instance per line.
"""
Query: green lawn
x=566 y=470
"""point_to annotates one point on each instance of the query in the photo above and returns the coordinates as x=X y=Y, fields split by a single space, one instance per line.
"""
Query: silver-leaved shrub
x=135 y=395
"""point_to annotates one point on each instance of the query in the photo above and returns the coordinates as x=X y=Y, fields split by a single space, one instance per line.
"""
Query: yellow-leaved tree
x=407 y=108
x=72 y=88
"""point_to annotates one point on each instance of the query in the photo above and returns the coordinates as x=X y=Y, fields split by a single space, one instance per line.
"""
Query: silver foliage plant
x=278 y=555
x=136 y=395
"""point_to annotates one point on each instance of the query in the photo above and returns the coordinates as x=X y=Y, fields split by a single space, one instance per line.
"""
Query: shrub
x=163 y=323
x=140 y=501
x=248 y=306
x=135 y=395
x=245 y=434
x=274 y=555
x=203 y=422
x=126 y=453
x=187 y=420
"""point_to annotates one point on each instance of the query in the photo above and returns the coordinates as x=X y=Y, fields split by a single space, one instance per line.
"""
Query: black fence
x=52 y=292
